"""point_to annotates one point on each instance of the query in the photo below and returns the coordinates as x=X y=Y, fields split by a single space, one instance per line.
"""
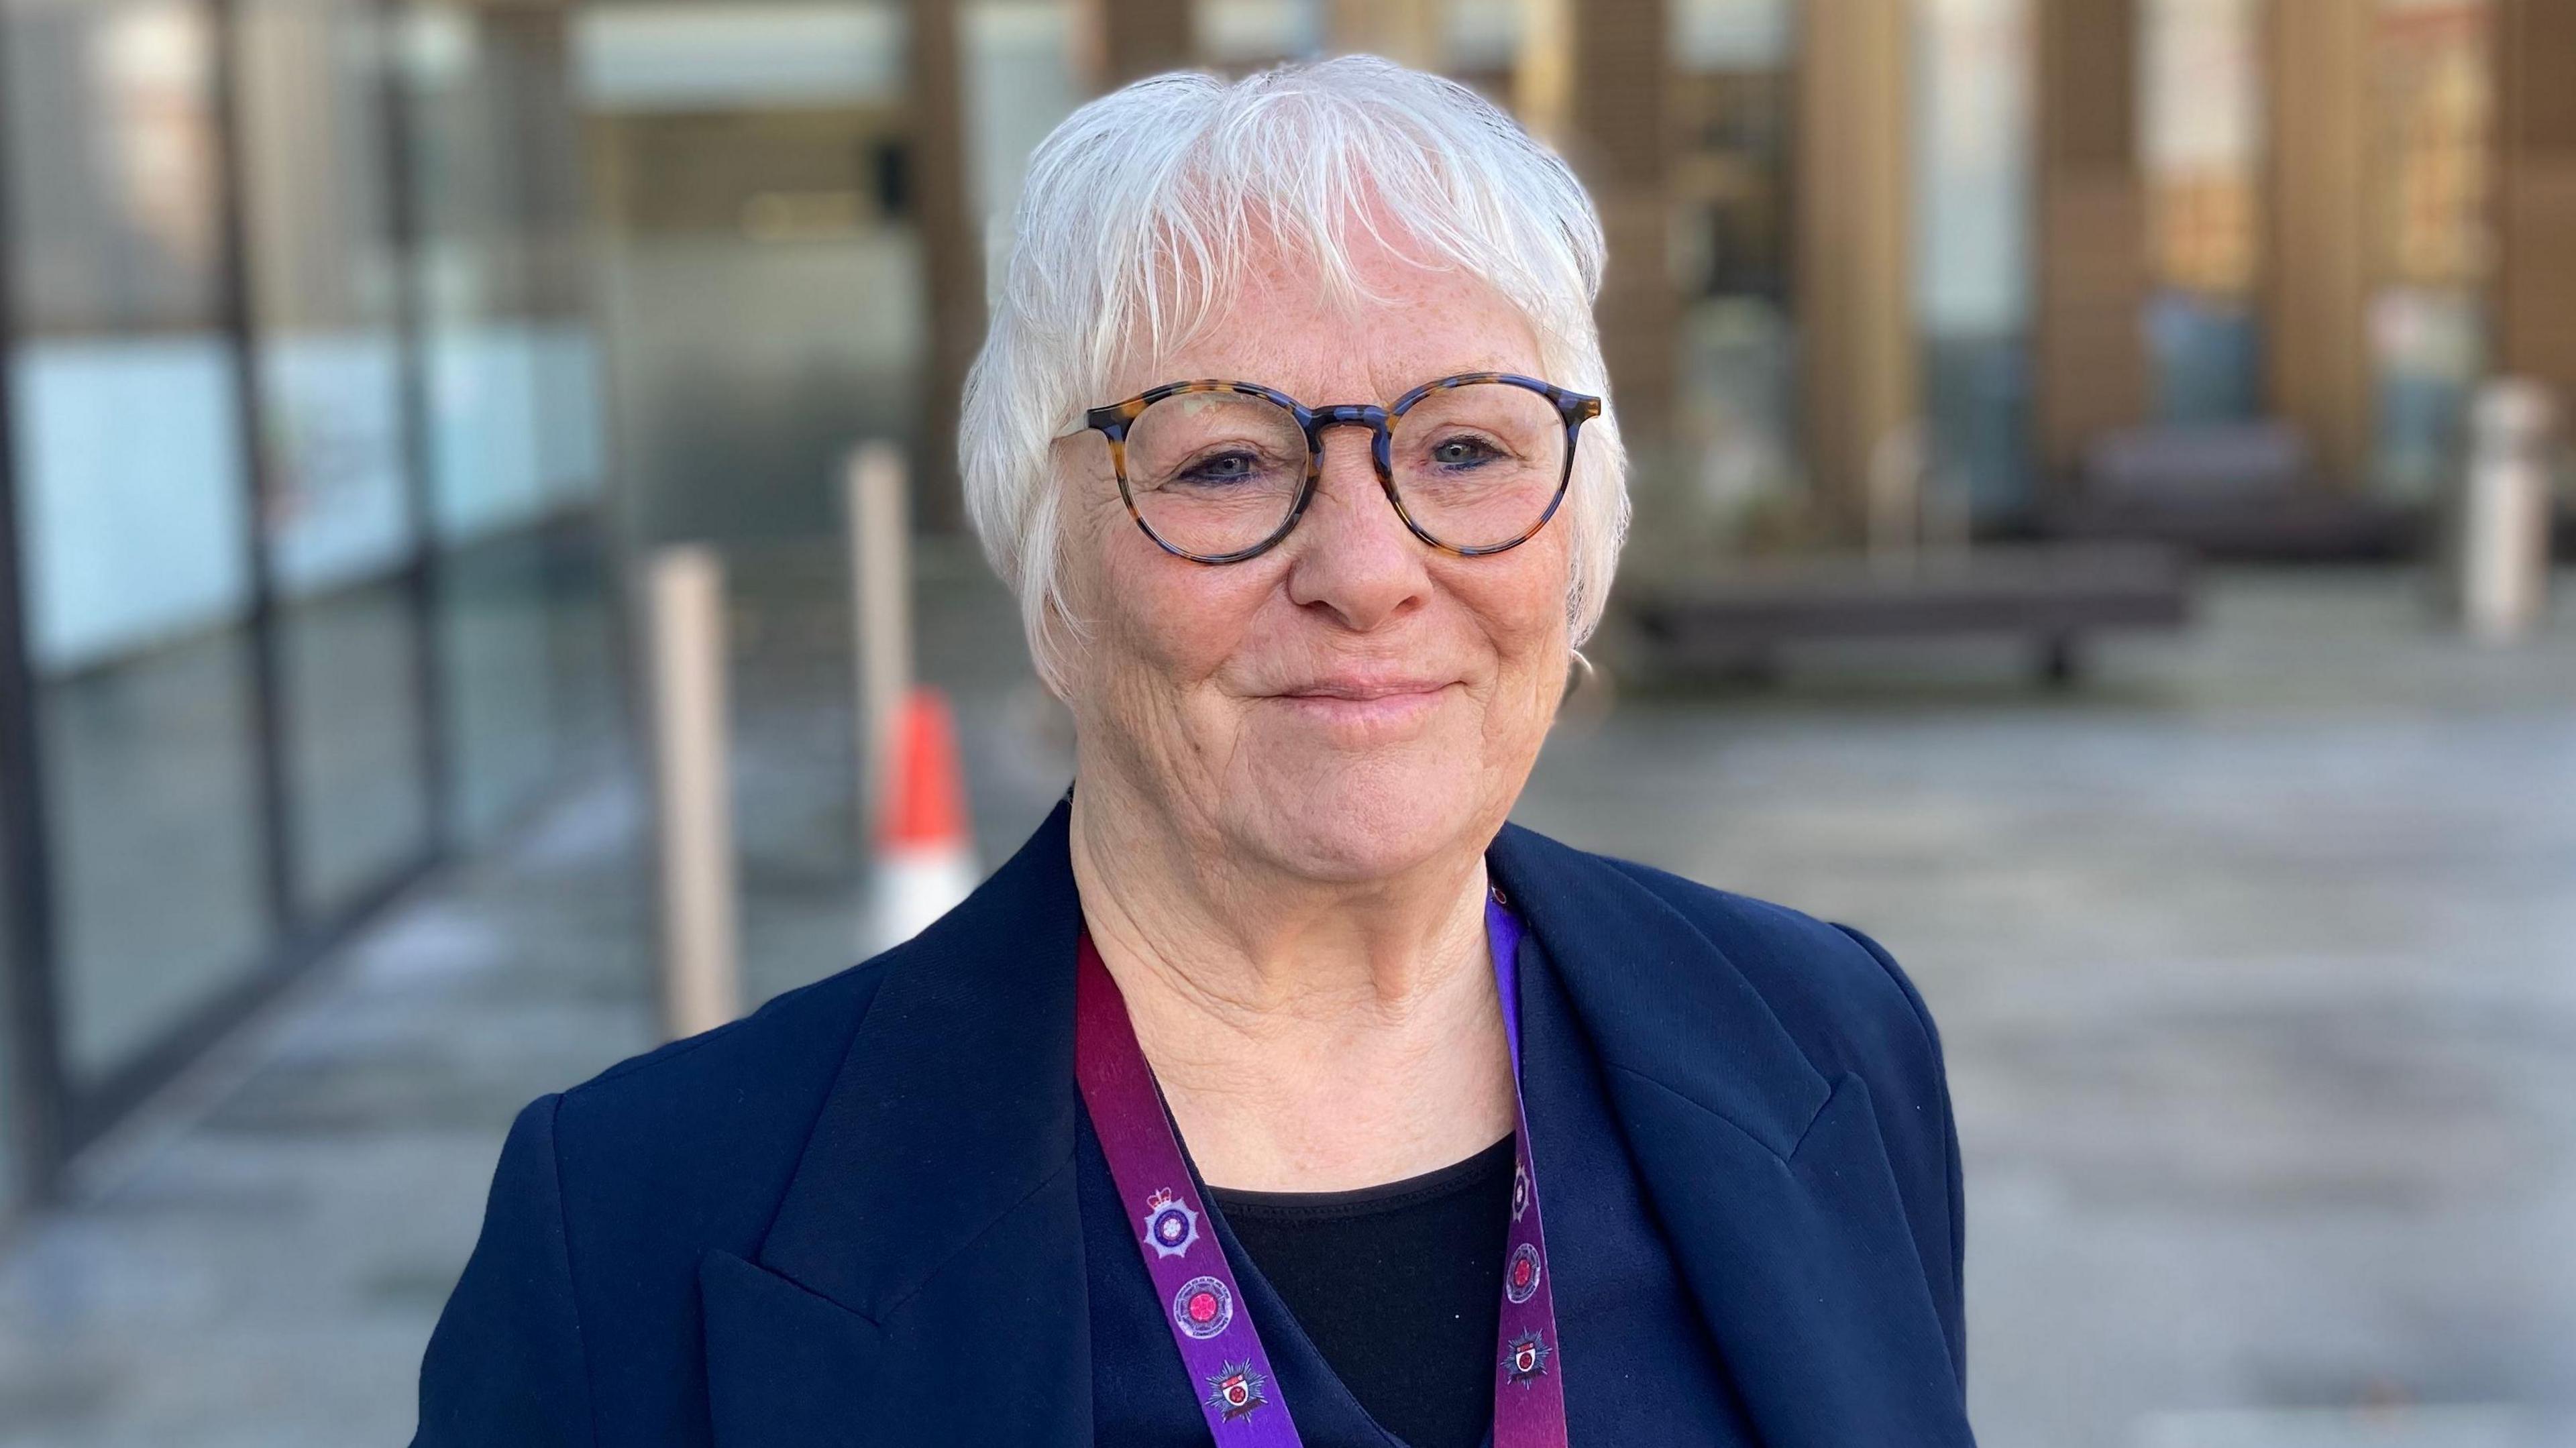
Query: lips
x=1362 y=690
x=1366 y=710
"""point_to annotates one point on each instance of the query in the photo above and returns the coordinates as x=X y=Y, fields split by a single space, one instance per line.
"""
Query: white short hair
x=1144 y=208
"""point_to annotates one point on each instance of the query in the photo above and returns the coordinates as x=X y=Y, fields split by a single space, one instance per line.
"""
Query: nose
x=1351 y=556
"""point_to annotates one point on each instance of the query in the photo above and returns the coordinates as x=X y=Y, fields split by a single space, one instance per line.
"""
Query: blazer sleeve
x=506 y=1363
x=1952 y=1304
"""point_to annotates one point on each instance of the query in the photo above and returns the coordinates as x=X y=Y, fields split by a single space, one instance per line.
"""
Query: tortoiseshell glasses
x=1218 y=472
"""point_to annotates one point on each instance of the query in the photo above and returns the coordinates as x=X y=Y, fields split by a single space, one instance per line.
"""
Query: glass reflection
x=132 y=517
x=1735 y=422
x=2433 y=117
x=337 y=515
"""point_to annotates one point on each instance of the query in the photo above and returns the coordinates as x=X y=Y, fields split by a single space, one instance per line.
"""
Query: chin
x=1354 y=819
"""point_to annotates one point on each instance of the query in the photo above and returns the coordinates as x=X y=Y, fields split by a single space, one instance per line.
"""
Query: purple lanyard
x=1229 y=1373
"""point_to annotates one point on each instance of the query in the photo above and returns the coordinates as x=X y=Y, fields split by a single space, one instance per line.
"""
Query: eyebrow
x=1081 y=423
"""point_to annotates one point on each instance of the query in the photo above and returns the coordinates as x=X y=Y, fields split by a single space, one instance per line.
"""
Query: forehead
x=1284 y=324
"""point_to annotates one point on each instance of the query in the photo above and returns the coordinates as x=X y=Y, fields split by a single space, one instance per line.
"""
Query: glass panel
x=1242 y=34
x=513 y=376
x=1483 y=41
x=155 y=813
x=1972 y=268
x=588 y=697
x=2200 y=104
x=338 y=523
x=1019 y=83
x=2431 y=244
x=493 y=637
x=763 y=270
x=131 y=504
x=360 y=801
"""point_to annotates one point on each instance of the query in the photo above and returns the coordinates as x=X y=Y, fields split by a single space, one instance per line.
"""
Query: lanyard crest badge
x=1171 y=1228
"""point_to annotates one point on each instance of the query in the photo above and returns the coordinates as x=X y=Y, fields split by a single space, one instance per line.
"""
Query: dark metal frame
x=54 y=1114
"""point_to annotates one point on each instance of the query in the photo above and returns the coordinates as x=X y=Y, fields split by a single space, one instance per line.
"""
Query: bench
x=2054 y=595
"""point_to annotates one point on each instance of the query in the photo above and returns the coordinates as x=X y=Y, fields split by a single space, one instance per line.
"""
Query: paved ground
x=2256 y=963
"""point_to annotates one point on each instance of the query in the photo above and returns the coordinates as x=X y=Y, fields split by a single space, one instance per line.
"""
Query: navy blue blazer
x=851 y=1218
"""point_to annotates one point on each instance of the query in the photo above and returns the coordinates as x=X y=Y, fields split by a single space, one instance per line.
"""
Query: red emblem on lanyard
x=1236 y=1391
x=1527 y=1360
x=1520 y=1279
x=1203 y=1307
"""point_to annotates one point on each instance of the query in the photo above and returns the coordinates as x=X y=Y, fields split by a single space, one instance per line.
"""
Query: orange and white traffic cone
x=925 y=853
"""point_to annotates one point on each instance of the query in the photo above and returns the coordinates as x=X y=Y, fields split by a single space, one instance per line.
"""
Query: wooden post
x=952 y=252
x=2535 y=202
x=1404 y=31
x=1133 y=39
x=2089 y=353
x=1859 y=380
x=2316 y=291
x=1594 y=81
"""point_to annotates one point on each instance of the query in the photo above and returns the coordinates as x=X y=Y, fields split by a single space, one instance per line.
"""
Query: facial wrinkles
x=1176 y=703
x=1159 y=716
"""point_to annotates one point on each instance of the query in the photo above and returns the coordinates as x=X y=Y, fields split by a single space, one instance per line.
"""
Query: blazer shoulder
x=1837 y=991
x=1854 y=1012
x=707 y=1129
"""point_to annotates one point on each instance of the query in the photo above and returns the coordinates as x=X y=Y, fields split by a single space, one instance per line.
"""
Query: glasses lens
x=1478 y=464
x=1214 y=472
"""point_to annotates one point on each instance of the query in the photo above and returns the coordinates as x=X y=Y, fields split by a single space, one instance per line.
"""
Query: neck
x=1309 y=1036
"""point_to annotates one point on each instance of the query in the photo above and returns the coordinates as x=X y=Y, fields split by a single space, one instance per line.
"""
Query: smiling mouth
x=1364 y=693
x=1370 y=708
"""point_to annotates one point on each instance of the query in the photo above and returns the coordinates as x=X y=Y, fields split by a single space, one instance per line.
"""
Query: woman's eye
x=1460 y=451
x=1230 y=467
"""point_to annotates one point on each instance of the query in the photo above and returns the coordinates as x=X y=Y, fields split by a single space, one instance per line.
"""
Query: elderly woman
x=1277 y=1091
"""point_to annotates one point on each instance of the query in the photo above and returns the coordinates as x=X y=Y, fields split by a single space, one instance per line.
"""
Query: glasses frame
x=1113 y=420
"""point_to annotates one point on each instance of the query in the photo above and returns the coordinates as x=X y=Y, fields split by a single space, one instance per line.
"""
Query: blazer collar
x=1657 y=997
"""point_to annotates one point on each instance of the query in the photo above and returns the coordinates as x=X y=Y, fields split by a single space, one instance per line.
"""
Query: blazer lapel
x=923 y=1279
x=1770 y=1180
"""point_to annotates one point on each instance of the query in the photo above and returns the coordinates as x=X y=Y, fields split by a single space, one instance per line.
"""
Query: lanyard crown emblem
x=1171 y=1228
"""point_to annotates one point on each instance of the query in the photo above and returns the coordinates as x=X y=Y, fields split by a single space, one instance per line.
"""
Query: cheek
x=1167 y=618
x=1518 y=600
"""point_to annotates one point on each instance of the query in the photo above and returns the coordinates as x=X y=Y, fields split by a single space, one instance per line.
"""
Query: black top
x=1399 y=1286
